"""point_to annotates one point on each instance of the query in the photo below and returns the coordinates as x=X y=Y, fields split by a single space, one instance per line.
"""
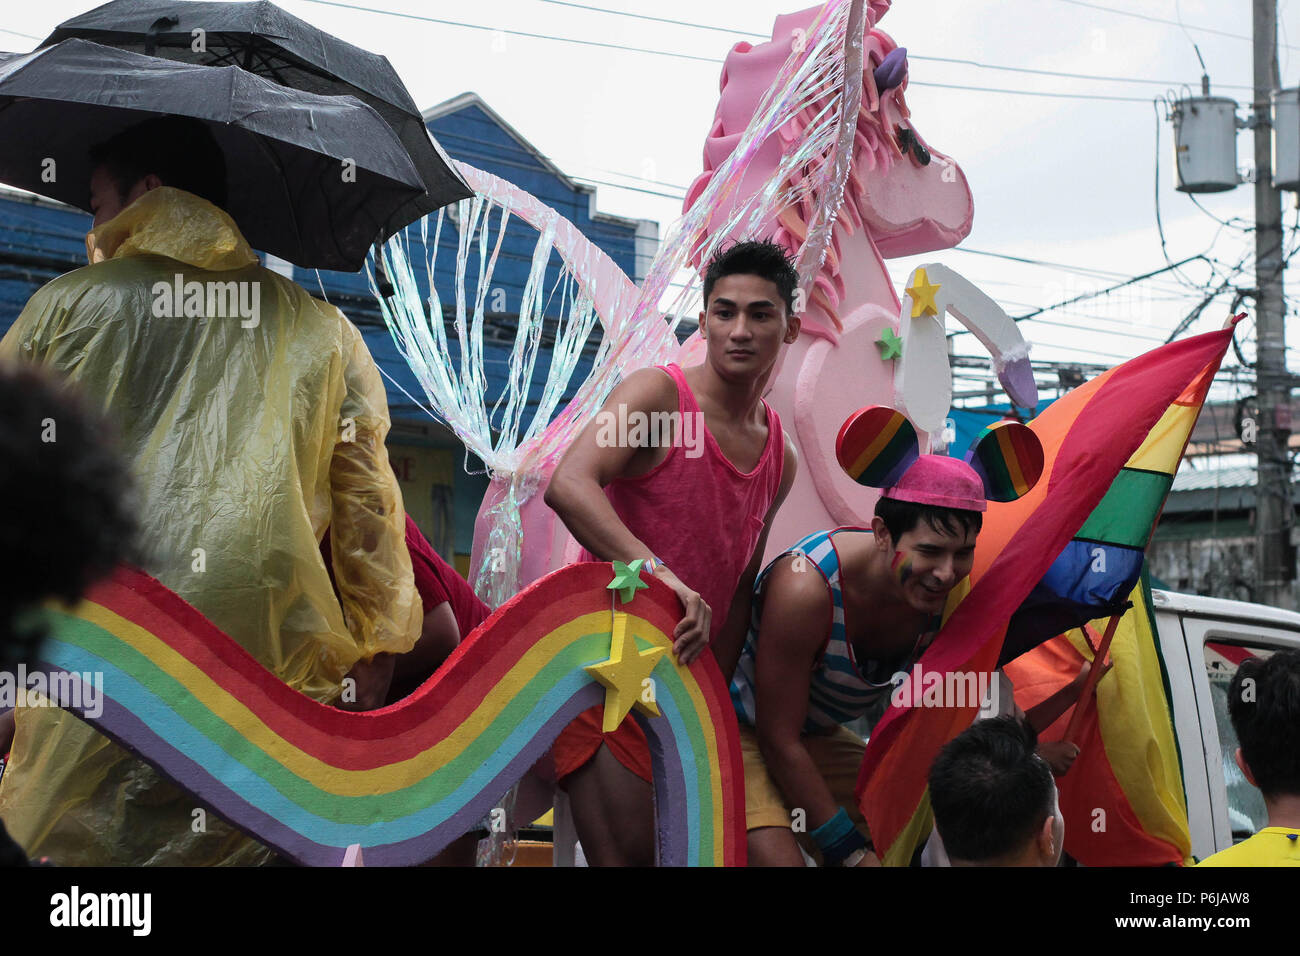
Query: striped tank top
x=841 y=688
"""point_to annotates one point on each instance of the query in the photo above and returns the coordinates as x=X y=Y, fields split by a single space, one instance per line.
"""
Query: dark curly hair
x=69 y=518
x=759 y=258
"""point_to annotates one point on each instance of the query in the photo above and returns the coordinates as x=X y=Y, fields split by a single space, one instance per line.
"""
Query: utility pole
x=1273 y=495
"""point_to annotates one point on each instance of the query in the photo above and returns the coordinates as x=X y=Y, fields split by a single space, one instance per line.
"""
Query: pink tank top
x=701 y=516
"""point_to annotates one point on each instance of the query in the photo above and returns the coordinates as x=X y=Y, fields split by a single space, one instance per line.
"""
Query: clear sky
x=1063 y=179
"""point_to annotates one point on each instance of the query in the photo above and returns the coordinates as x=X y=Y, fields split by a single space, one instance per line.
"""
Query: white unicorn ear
x=923 y=380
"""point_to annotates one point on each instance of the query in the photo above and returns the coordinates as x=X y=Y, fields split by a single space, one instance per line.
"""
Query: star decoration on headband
x=627 y=579
x=890 y=345
x=922 y=291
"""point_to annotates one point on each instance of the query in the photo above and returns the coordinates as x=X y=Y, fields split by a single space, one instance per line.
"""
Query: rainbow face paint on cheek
x=902 y=567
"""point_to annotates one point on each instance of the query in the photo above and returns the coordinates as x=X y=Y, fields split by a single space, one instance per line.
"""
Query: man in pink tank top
x=686 y=467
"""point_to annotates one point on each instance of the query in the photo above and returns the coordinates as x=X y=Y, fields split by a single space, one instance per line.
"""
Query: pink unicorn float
x=812 y=145
x=902 y=197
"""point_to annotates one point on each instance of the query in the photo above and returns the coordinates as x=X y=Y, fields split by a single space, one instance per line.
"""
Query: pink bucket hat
x=941 y=481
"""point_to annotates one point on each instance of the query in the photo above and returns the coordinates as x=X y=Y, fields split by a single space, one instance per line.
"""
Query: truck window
x=1245 y=804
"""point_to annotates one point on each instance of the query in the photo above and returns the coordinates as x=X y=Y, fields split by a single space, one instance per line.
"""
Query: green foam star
x=627 y=579
x=890 y=345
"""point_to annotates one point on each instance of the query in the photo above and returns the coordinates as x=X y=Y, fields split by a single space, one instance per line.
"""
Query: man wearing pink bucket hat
x=842 y=612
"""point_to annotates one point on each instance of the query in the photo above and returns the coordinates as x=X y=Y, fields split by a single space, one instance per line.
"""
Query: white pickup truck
x=1203 y=640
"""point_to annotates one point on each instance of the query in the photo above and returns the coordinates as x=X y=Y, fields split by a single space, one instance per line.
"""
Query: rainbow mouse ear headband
x=877 y=447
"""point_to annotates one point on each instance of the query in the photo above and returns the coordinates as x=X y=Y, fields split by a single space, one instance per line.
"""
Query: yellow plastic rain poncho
x=247 y=436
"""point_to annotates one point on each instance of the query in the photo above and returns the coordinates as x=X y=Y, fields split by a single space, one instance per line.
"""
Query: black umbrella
x=263 y=39
x=312 y=179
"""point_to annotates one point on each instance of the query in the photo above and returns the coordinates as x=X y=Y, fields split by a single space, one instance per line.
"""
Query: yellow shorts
x=838 y=756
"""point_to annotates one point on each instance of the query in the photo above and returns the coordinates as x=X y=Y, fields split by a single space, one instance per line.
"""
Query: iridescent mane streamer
x=817 y=88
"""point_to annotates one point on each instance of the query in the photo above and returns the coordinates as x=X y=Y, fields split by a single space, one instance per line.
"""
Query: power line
x=467 y=154
x=513 y=33
x=911 y=56
x=640 y=179
x=1094 y=97
x=669 y=20
x=1075 y=350
x=636 y=189
x=1172 y=294
x=1074 y=326
x=1063 y=75
x=1128 y=327
x=1151 y=19
x=1033 y=316
x=1082 y=270
x=1241 y=293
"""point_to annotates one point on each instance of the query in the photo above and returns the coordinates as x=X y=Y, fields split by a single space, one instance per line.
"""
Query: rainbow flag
x=1093 y=575
x=313 y=781
x=1088 y=438
x=1123 y=799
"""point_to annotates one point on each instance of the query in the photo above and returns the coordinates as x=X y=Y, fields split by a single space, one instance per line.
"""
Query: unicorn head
x=902 y=196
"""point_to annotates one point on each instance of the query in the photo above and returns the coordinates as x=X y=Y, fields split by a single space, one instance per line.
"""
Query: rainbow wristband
x=838 y=838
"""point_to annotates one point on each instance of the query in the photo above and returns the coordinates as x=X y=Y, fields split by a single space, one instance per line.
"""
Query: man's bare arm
x=731 y=638
x=795 y=609
x=576 y=489
x=576 y=494
x=1060 y=754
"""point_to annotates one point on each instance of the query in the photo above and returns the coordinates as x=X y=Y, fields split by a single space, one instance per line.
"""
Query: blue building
x=40 y=239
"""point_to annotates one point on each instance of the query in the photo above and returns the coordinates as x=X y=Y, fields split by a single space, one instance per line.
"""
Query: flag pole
x=1094 y=674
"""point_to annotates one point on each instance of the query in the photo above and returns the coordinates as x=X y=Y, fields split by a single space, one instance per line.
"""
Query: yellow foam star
x=624 y=676
x=922 y=291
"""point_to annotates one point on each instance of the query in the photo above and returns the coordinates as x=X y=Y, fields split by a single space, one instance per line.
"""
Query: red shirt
x=438 y=581
x=435 y=579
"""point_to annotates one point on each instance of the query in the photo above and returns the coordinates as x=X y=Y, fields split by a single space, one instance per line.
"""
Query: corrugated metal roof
x=1211 y=478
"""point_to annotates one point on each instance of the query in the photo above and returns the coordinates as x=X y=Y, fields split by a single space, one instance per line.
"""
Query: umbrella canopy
x=312 y=179
x=265 y=40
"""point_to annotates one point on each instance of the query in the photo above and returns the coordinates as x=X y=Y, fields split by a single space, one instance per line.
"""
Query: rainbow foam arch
x=311 y=781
